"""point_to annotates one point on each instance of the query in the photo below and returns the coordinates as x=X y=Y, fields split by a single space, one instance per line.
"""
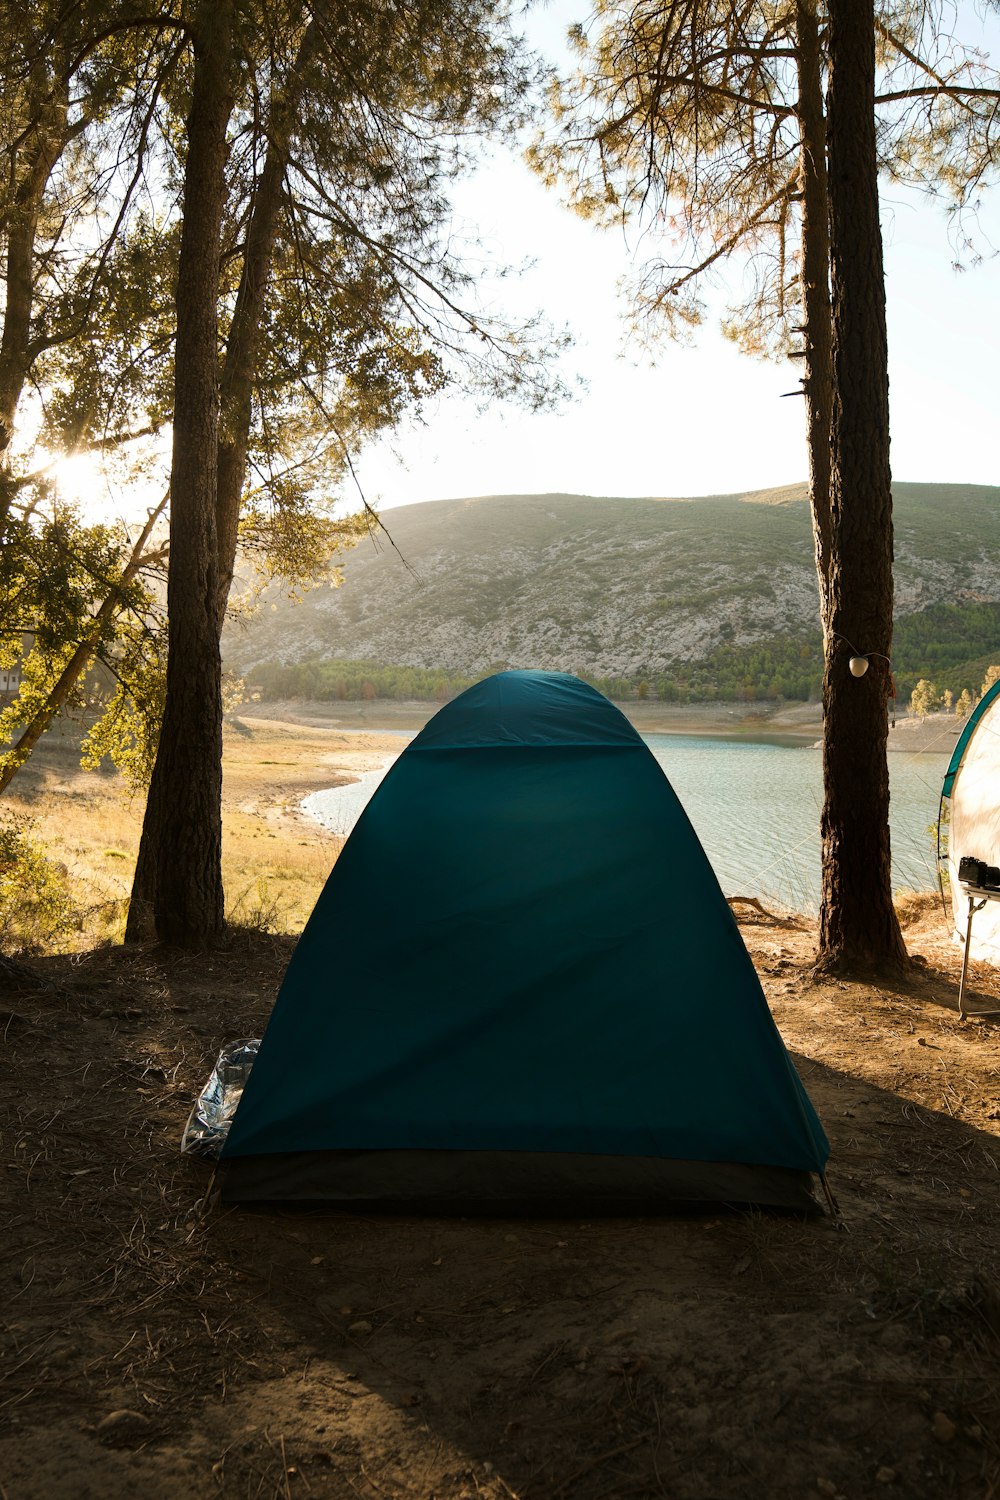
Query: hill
x=698 y=591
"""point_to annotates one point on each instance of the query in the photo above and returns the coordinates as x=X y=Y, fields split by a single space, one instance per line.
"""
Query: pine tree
x=859 y=930
x=363 y=120
x=338 y=304
x=711 y=120
x=179 y=871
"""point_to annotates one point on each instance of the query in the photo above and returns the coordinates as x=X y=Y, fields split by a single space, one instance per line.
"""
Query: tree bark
x=859 y=932
x=239 y=371
x=243 y=345
x=49 y=135
x=816 y=308
x=177 y=890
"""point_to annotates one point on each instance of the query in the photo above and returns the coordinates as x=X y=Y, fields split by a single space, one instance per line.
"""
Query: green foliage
x=935 y=642
x=54 y=569
x=234 y=692
x=685 y=122
x=355 y=681
x=116 y=374
x=363 y=313
x=927 y=696
x=949 y=644
x=56 y=576
x=772 y=671
x=288 y=537
x=35 y=906
x=128 y=730
x=768 y=671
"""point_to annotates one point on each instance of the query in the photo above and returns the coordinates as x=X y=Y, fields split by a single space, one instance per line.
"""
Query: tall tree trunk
x=816 y=308
x=79 y=661
x=859 y=932
x=177 y=890
x=243 y=345
x=30 y=170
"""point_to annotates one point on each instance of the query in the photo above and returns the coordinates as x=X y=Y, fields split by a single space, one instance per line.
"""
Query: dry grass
x=275 y=860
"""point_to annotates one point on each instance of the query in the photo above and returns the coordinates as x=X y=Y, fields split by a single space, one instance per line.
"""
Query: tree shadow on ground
x=715 y=1356
x=712 y=1355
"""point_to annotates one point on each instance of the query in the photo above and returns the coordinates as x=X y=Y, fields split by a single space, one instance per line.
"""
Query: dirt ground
x=156 y=1345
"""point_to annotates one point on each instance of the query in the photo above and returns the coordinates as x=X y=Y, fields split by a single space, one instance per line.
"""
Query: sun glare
x=79 y=477
x=99 y=493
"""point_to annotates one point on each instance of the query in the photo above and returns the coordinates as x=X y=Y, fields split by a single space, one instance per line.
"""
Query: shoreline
x=276 y=854
x=683 y=742
x=798 y=724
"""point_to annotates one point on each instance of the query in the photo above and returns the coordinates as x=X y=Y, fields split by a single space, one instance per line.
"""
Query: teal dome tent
x=522 y=990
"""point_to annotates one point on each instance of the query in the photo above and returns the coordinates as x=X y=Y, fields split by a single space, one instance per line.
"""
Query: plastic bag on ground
x=208 y=1125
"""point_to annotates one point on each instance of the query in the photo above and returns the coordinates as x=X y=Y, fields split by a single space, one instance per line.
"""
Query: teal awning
x=965 y=737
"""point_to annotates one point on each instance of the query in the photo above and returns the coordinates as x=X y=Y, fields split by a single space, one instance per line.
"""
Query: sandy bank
x=787 y=723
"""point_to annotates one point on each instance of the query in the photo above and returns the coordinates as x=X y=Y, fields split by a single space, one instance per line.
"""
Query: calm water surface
x=756 y=809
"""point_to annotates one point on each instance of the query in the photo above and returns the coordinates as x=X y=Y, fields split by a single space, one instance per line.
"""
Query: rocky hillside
x=608 y=586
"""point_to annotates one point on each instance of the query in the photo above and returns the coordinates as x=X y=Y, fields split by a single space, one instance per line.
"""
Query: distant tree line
x=355 y=682
x=949 y=646
x=729 y=675
x=928 y=698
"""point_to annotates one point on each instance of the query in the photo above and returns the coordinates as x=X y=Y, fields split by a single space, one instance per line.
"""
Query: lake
x=756 y=809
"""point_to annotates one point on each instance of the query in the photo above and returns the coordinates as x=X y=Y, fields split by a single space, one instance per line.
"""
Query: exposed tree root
x=774 y=918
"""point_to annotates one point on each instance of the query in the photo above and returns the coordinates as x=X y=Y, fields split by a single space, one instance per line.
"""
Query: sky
x=703 y=419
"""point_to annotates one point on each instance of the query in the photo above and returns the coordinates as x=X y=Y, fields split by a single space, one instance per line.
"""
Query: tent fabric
x=982 y=709
x=972 y=790
x=522 y=950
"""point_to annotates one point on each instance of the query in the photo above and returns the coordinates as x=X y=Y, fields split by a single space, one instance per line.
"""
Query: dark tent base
x=522 y=1183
